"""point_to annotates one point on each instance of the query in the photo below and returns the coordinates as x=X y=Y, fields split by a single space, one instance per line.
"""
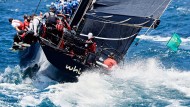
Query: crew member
x=75 y=5
x=68 y=8
x=51 y=21
x=110 y=61
x=26 y=22
x=51 y=17
x=91 y=44
x=19 y=26
x=31 y=34
x=34 y=23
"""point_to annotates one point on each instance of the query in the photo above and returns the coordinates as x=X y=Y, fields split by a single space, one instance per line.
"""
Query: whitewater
x=151 y=76
x=139 y=83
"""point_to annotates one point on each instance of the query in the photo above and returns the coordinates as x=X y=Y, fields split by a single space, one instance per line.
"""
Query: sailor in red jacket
x=91 y=44
x=18 y=25
x=110 y=62
x=26 y=22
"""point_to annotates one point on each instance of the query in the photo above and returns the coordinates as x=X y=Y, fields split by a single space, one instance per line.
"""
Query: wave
x=163 y=40
x=14 y=10
x=184 y=10
x=146 y=82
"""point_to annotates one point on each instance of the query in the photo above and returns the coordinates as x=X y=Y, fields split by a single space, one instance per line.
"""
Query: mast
x=80 y=12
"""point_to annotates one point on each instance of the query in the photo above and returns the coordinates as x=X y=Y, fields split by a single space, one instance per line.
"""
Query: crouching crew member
x=19 y=26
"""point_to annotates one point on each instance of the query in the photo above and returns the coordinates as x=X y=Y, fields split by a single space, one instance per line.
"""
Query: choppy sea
x=152 y=75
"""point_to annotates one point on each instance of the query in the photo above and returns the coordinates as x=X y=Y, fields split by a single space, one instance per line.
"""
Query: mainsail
x=116 y=23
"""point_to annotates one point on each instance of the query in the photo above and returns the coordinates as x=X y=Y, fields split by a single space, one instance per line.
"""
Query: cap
x=90 y=35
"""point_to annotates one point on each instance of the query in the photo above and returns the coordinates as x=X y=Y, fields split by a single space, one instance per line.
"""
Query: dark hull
x=29 y=55
x=69 y=69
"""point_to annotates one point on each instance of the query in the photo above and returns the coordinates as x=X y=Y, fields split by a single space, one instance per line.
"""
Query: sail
x=115 y=37
x=141 y=8
x=116 y=23
x=139 y=13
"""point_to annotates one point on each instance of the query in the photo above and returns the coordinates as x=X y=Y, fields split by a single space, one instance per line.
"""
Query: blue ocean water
x=152 y=76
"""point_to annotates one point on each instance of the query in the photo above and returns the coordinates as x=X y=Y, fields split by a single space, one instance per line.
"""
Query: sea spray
x=11 y=75
x=138 y=83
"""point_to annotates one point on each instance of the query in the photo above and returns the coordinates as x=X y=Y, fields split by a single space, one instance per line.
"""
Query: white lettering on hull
x=74 y=69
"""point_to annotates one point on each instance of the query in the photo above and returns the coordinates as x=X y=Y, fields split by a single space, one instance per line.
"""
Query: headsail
x=120 y=19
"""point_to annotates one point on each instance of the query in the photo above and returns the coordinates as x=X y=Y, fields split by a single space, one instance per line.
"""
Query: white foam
x=125 y=84
x=151 y=73
x=11 y=75
x=91 y=90
x=163 y=40
x=96 y=89
x=184 y=10
x=154 y=38
x=14 y=10
x=29 y=101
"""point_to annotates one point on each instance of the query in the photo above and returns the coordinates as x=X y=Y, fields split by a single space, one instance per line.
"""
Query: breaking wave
x=139 y=83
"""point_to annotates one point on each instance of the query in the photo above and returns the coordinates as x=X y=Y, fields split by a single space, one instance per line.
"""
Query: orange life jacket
x=110 y=62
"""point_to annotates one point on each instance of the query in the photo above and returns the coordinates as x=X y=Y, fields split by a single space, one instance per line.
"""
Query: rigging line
x=141 y=24
x=166 y=7
x=107 y=16
x=113 y=39
x=131 y=25
x=102 y=29
x=155 y=20
x=146 y=32
x=120 y=23
x=37 y=7
x=123 y=21
x=102 y=18
x=150 y=28
x=160 y=7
